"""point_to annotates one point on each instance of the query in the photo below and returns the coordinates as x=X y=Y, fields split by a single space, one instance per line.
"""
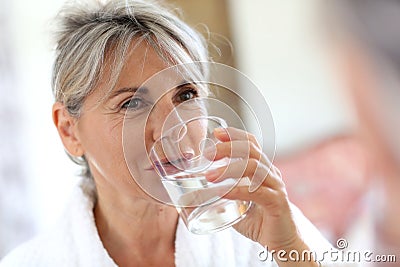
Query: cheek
x=102 y=142
x=134 y=145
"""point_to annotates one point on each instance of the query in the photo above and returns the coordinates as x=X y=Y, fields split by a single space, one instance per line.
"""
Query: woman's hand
x=270 y=222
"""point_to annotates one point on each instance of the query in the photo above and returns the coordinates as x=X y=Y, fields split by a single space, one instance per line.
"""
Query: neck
x=134 y=230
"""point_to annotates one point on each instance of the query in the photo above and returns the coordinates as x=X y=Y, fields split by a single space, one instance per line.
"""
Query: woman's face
x=115 y=129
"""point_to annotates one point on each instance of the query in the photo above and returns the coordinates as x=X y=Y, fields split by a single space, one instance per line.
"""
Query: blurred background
x=280 y=45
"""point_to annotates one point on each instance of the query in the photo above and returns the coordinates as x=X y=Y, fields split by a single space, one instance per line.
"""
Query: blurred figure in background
x=366 y=35
x=328 y=180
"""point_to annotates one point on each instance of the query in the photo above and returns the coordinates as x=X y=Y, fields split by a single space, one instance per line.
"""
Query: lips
x=166 y=167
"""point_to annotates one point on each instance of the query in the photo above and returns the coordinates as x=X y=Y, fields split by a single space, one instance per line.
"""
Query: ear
x=66 y=127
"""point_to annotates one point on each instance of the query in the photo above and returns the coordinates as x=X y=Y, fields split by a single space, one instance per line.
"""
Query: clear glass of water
x=181 y=157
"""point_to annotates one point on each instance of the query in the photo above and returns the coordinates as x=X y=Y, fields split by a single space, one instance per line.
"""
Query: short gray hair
x=88 y=34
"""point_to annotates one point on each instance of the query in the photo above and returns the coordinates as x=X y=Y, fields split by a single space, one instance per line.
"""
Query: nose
x=163 y=117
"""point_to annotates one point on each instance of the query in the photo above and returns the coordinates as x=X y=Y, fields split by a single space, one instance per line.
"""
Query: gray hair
x=89 y=35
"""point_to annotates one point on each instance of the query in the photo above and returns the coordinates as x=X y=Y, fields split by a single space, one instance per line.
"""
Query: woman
x=104 y=53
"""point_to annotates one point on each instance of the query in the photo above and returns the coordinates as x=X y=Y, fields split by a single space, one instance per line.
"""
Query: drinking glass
x=181 y=156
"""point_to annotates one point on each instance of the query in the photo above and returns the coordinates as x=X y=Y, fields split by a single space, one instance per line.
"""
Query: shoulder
x=52 y=247
x=72 y=241
x=39 y=251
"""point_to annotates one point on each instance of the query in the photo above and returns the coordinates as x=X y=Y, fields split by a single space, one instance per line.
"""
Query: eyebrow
x=142 y=90
x=184 y=83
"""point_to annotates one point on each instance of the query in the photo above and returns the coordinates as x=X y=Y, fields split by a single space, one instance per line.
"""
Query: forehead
x=144 y=68
x=141 y=63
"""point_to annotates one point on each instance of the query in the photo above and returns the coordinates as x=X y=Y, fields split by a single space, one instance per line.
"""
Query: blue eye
x=133 y=104
x=186 y=95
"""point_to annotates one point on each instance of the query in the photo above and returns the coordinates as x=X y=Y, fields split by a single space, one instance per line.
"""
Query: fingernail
x=220 y=130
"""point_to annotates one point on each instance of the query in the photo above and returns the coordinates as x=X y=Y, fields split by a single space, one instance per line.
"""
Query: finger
x=255 y=149
x=234 y=149
x=258 y=179
x=264 y=196
x=252 y=169
x=244 y=150
x=232 y=134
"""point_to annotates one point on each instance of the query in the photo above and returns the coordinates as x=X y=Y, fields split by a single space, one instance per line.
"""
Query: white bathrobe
x=74 y=241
